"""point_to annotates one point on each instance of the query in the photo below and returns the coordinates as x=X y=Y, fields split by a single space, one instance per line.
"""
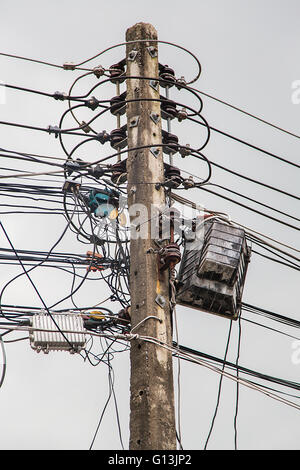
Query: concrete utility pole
x=152 y=415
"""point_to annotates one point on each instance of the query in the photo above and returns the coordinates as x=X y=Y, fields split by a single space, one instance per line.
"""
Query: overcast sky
x=249 y=52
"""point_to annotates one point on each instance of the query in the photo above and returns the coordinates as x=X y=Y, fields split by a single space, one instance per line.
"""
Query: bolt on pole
x=152 y=414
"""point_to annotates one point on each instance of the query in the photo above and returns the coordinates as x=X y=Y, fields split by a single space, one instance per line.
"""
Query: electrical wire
x=4 y=361
x=237 y=383
x=246 y=113
x=219 y=388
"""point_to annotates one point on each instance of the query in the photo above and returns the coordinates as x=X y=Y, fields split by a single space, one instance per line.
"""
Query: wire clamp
x=182 y=114
x=180 y=83
x=185 y=150
x=70 y=186
x=188 y=183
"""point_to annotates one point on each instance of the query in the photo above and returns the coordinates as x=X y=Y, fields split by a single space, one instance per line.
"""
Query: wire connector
x=180 y=83
x=99 y=71
x=70 y=186
x=69 y=66
x=85 y=127
x=59 y=95
x=185 y=150
x=54 y=130
x=103 y=137
x=92 y=103
x=182 y=114
x=188 y=183
x=93 y=259
x=96 y=171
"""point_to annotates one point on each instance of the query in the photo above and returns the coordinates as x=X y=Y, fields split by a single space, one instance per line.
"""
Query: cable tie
x=130 y=336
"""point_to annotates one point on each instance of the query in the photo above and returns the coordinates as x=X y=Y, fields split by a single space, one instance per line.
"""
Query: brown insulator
x=118 y=105
x=170 y=256
x=119 y=172
x=170 y=142
x=172 y=176
x=118 y=137
x=168 y=74
x=116 y=71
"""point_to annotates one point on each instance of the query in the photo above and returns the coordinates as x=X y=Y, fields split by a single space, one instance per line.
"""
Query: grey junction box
x=47 y=334
x=213 y=270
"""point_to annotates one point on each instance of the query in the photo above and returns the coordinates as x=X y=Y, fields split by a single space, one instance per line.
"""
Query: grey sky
x=249 y=54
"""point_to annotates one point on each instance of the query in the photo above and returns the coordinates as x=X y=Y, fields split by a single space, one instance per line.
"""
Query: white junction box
x=50 y=332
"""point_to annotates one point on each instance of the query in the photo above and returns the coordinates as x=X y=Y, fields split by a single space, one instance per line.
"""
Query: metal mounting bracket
x=132 y=55
x=134 y=121
x=154 y=151
x=154 y=84
x=160 y=300
x=155 y=117
x=152 y=51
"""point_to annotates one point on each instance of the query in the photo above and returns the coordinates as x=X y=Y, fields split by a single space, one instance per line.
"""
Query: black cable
x=250 y=208
x=152 y=41
x=237 y=383
x=38 y=92
x=247 y=113
x=104 y=409
x=266 y=152
x=252 y=180
x=273 y=251
x=4 y=361
x=272 y=315
x=270 y=328
x=254 y=200
x=35 y=288
x=219 y=388
x=34 y=267
x=116 y=406
x=245 y=370
x=276 y=260
x=56 y=131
